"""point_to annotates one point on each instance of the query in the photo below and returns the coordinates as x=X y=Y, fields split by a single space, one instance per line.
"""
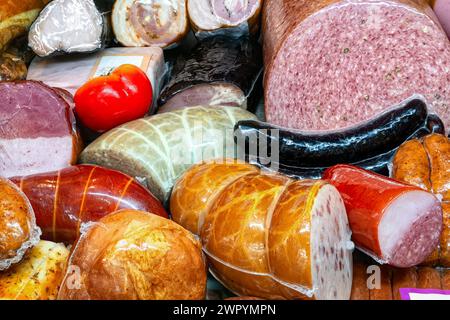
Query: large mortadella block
x=159 y=149
x=65 y=201
x=332 y=64
x=37 y=129
x=266 y=235
x=395 y=223
x=136 y=255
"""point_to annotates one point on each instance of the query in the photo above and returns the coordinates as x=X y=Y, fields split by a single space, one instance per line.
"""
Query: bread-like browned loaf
x=38 y=276
x=426 y=163
x=135 y=255
x=256 y=231
x=16 y=17
x=393 y=279
x=18 y=230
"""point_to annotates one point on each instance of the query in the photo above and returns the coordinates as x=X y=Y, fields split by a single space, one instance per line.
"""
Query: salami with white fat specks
x=331 y=64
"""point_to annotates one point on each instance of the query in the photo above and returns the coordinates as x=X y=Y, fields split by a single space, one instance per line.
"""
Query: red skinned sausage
x=65 y=200
x=393 y=222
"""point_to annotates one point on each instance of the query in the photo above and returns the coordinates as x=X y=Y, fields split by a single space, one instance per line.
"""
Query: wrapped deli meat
x=426 y=163
x=140 y=23
x=71 y=72
x=78 y=195
x=38 y=130
x=235 y=18
x=135 y=255
x=18 y=230
x=158 y=149
x=331 y=64
x=38 y=276
x=71 y=26
x=266 y=235
x=16 y=17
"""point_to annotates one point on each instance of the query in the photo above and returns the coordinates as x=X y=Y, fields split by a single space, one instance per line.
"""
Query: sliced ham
x=37 y=129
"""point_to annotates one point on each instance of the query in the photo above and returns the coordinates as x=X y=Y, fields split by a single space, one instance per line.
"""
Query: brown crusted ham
x=210 y=15
x=37 y=129
x=331 y=64
x=150 y=22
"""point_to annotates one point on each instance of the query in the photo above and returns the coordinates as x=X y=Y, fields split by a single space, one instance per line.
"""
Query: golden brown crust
x=411 y=165
x=198 y=187
x=438 y=149
x=235 y=229
x=445 y=236
x=428 y=278
x=445 y=279
x=16 y=220
x=38 y=276
x=135 y=255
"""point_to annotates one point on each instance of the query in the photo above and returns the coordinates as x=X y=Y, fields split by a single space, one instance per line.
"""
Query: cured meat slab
x=37 y=129
x=331 y=64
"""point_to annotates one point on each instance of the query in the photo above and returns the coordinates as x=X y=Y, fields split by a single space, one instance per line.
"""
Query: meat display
x=215 y=16
x=393 y=222
x=18 y=230
x=442 y=10
x=332 y=64
x=37 y=129
x=135 y=255
x=64 y=201
x=161 y=23
x=38 y=276
x=71 y=26
x=218 y=72
x=266 y=235
x=158 y=149
x=426 y=163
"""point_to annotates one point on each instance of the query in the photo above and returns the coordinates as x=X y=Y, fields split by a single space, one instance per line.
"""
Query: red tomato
x=108 y=101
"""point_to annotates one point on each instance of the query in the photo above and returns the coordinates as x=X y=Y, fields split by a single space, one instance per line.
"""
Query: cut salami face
x=395 y=223
x=331 y=64
x=149 y=22
x=37 y=129
x=210 y=15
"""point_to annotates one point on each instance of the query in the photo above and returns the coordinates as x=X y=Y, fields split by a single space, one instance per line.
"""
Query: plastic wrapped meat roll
x=219 y=71
x=141 y=23
x=65 y=201
x=266 y=235
x=38 y=276
x=426 y=163
x=158 y=149
x=332 y=64
x=442 y=10
x=135 y=255
x=71 y=26
x=18 y=230
x=215 y=15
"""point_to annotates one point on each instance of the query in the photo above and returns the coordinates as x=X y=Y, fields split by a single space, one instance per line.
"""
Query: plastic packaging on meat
x=72 y=72
x=135 y=255
x=266 y=235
